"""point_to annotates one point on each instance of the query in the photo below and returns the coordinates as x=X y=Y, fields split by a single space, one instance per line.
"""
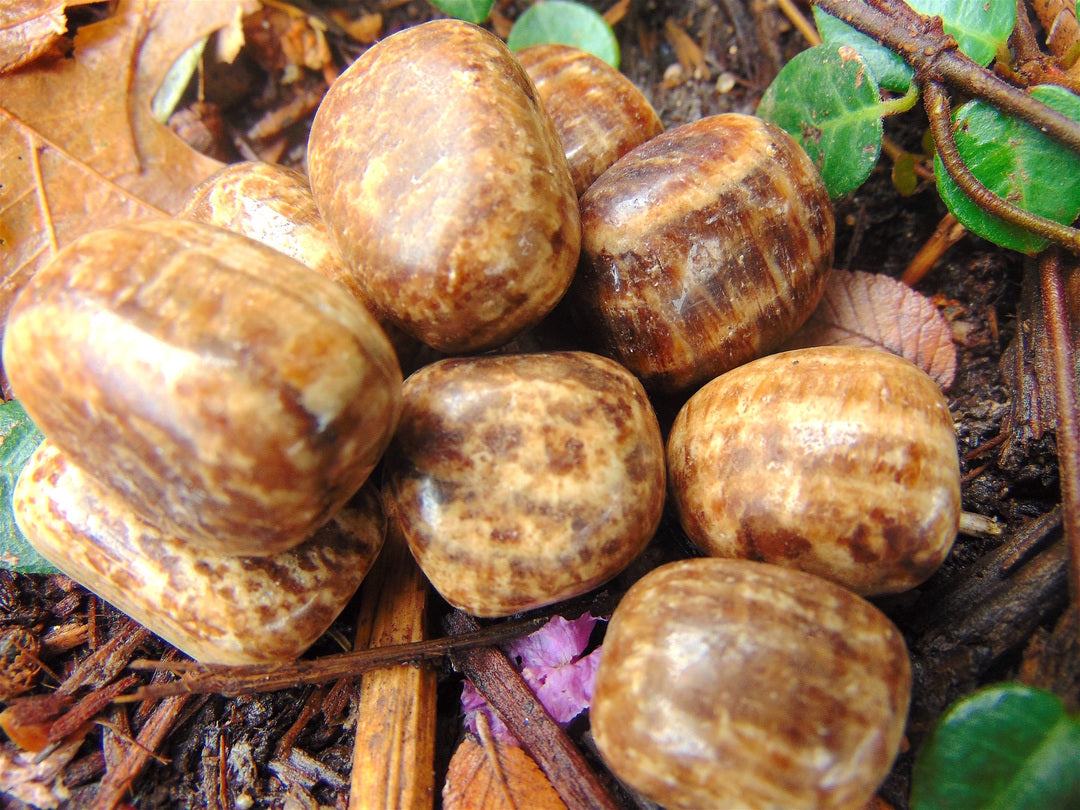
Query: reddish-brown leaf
x=474 y=782
x=78 y=143
x=864 y=309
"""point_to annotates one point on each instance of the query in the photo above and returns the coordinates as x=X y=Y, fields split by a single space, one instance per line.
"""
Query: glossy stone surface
x=229 y=394
x=736 y=684
x=273 y=204
x=217 y=608
x=702 y=249
x=444 y=183
x=836 y=460
x=521 y=480
x=599 y=113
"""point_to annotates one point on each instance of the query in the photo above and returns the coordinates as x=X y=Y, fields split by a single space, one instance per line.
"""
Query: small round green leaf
x=1008 y=746
x=981 y=28
x=888 y=68
x=19 y=438
x=1019 y=164
x=567 y=23
x=827 y=99
x=474 y=11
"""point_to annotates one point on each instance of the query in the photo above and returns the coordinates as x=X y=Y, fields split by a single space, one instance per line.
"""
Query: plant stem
x=1063 y=354
x=895 y=106
x=932 y=53
x=938 y=111
x=948 y=232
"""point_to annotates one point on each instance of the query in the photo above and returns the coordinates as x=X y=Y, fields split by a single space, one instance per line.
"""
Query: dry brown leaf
x=473 y=783
x=79 y=146
x=864 y=309
x=28 y=28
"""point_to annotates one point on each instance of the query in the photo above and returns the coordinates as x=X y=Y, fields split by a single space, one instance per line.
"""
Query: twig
x=1063 y=353
x=932 y=53
x=496 y=679
x=948 y=232
x=938 y=111
x=245 y=680
x=106 y=661
x=803 y=25
x=119 y=778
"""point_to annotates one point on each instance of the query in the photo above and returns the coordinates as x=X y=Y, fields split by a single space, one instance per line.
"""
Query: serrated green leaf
x=891 y=72
x=981 y=29
x=827 y=99
x=474 y=11
x=1019 y=164
x=19 y=438
x=1007 y=747
x=567 y=23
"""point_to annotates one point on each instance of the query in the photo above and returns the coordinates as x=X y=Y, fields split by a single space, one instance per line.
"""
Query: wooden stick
x=394 y=757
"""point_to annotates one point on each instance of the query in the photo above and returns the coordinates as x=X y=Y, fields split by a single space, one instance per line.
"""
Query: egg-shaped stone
x=739 y=685
x=599 y=113
x=218 y=608
x=228 y=393
x=521 y=480
x=272 y=204
x=445 y=185
x=702 y=249
x=838 y=460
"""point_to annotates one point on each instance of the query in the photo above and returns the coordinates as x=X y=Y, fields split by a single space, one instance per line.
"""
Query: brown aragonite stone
x=231 y=395
x=272 y=204
x=737 y=684
x=217 y=608
x=840 y=461
x=521 y=480
x=599 y=113
x=702 y=249
x=444 y=183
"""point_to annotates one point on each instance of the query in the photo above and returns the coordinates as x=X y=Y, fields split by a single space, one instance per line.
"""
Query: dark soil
x=988 y=615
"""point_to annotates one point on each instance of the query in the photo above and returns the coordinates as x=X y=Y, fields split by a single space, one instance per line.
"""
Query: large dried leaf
x=474 y=782
x=864 y=309
x=79 y=146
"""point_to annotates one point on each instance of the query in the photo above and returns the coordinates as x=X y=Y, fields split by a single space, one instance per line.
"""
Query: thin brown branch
x=796 y=18
x=245 y=680
x=948 y=232
x=938 y=111
x=1063 y=353
x=932 y=53
x=119 y=778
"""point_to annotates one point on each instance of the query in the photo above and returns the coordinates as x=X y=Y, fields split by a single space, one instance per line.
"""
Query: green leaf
x=1018 y=163
x=827 y=99
x=19 y=438
x=1007 y=747
x=981 y=28
x=474 y=11
x=888 y=68
x=566 y=23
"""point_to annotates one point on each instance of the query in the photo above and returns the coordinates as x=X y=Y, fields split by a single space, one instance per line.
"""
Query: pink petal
x=472 y=704
x=556 y=643
x=564 y=691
